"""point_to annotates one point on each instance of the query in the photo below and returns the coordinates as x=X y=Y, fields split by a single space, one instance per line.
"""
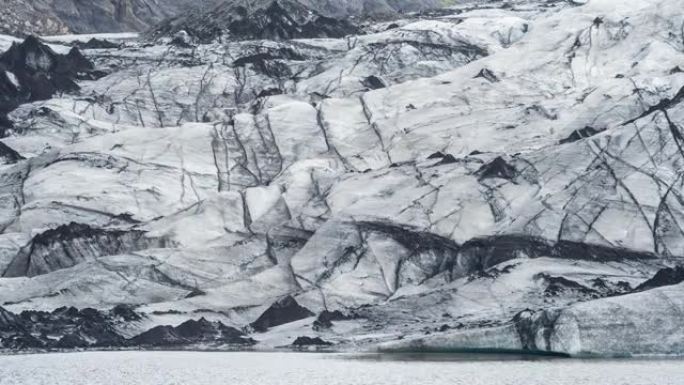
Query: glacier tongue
x=483 y=177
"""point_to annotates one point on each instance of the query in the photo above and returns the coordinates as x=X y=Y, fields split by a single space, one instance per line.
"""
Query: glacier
x=490 y=176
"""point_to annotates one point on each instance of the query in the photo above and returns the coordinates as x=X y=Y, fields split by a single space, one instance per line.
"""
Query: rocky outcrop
x=75 y=329
x=580 y=134
x=281 y=312
x=24 y=17
x=10 y=97
x=45 y=17
x=373 y=83
x=32 y=71
x=487 y=75
x=272 y=19
x=8 y=155
x=70 y=328
x=40 y=71
x=310 y=341
x=159 y=336
x=189 y=333
x=664 y=277
x=95 y=43
x=8 y=320
x=325 y=319
x=497 y=168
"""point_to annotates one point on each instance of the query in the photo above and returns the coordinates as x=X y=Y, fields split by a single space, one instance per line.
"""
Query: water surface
x=195 y=368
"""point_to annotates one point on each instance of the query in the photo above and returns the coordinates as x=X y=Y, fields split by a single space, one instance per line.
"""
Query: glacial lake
x=199 y=368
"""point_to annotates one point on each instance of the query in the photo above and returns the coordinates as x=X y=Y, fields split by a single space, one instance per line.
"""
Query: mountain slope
x=272 y=19
x=51 y=17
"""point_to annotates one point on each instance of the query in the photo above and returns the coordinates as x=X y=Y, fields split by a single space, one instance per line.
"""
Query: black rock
x=310 y=341
x=487 y=75
x=125 y=312
x=437 y=155
x=270 y=92
x=498 y=168
x=41 y=71
x=9 y=320
x=324 y=320
x=211 y=332
x=95 y=43
x=576 y=135
x=22 y=341
x=5 y=123
x=664 y=277
x=64 y=311
x=77 y=328
x=189 y=333
x=373 y=82
x=102 y=333
x=560 y=285
x=91 y=315
x=77 y=61
x=32 y=71
x=447 y=159
x=11 y=94
x=599 y=283
x=606 y=288
x=195 y=293
x=623 y=286
x=8 y=155
x=71 y=341
x=158 y=336
x=283 y=311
